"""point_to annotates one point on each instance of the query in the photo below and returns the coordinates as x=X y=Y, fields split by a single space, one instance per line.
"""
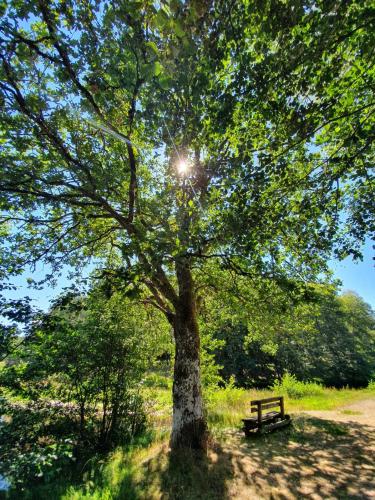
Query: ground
x=325 y=455
x=361 y=412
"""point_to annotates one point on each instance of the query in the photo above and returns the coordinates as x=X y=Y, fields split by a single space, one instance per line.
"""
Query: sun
x=182 y=166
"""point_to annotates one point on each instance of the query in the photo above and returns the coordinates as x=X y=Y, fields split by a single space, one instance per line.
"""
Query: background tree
x=89 y=355
x=156 y=137
x=327 y=338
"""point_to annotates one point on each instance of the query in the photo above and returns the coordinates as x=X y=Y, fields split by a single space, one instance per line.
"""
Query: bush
x=295 y=389
x=81 y=373
x=371 y=385
x=155 y=380
x=34 y=442
x=231 y=398
x=39 y=463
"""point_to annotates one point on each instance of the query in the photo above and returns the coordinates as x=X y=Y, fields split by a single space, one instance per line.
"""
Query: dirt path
x=323 y=455
x=362 y=412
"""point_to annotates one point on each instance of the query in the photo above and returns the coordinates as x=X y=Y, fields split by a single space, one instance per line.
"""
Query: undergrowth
x=295 y=389
x=123 y=473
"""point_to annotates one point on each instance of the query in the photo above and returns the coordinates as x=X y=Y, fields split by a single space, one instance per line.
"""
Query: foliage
x=269 y=103
x=273 y=105
x=210 y=370
x=225 y=406
x=36 y=441
x=323 y=337
x=14 y=313
x=156 y=380
x=295 y=389
x=81 y=369
x=339 y=349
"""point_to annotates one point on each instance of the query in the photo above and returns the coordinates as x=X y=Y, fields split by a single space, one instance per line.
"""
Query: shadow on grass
x=314 y=458
x=187 y=475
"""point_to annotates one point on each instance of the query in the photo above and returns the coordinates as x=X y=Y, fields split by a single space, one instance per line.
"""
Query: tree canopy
x=270 y=104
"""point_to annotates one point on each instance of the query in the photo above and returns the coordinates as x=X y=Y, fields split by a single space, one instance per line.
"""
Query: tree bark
x=189 y=428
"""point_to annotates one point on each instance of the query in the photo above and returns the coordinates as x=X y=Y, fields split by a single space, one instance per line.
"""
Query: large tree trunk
x=189 y=427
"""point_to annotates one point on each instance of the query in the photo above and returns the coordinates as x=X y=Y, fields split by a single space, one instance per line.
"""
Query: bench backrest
x=258 y=405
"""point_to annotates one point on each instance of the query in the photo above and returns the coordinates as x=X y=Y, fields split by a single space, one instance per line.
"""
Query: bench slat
x=271 y=414
x=268 y=400
x=270 y=405
x=267 y=416
x=264 y=407
x=277 y=425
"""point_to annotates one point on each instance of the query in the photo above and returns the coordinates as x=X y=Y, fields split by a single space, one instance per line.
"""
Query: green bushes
x=74 y=388
x=225 y=406
x=35 y=440
x=157 y=381
x=295 y=389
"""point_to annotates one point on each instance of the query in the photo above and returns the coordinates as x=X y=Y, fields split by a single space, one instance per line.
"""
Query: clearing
x=324 y=455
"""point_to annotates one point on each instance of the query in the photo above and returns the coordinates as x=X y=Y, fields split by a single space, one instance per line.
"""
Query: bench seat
x=267 y=416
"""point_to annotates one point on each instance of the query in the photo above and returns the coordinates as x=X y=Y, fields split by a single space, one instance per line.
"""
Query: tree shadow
x=314 y=458
x=188 y=475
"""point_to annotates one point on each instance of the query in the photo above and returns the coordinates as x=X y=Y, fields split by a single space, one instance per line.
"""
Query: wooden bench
x=266 y=421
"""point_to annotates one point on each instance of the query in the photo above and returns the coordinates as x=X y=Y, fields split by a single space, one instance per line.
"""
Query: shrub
x=296 y=389
x=371 y=385
x=34 y=442
x=155 y=380
x=39 y=463
x=81 y=372
x=229 y=398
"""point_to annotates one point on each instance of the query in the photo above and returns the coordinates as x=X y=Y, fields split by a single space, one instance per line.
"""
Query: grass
x=226 y=407
x=351 y=412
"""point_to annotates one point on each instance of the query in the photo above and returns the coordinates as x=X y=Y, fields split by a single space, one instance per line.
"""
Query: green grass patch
x=226 y=407
x=148 y=470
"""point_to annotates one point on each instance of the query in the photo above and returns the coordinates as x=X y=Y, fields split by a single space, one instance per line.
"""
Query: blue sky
x=359 y=277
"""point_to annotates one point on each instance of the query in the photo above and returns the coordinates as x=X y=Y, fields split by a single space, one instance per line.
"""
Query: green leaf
x=158 y=68
x=153 y=47
x=165 y=81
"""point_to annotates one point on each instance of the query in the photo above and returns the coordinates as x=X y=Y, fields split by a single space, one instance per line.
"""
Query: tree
x=90 y=353
x=325 y=337
x=155 y=137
